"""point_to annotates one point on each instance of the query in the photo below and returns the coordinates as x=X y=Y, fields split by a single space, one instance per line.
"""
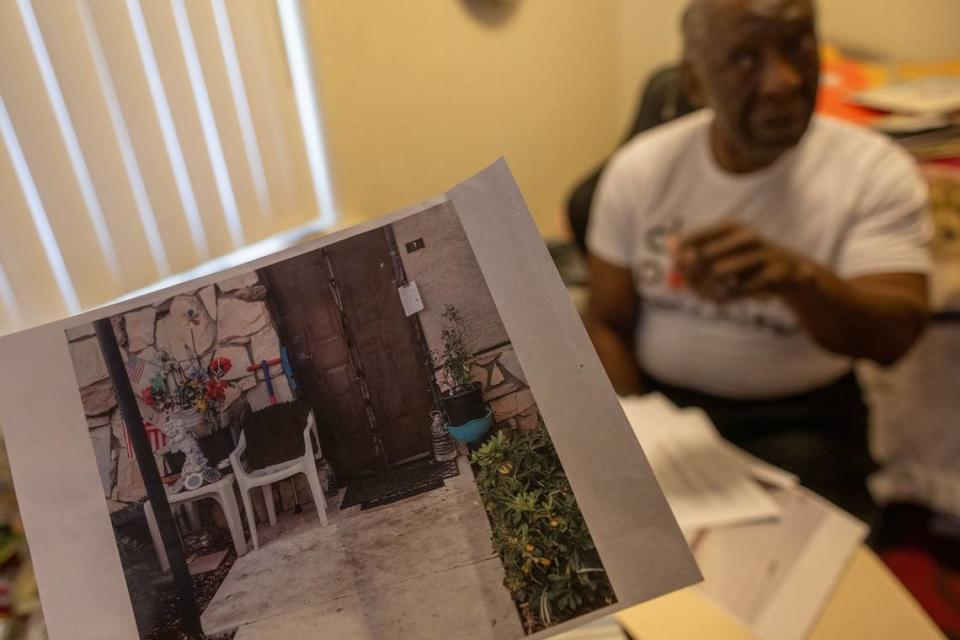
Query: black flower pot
x=216 y=446
x=464 y=405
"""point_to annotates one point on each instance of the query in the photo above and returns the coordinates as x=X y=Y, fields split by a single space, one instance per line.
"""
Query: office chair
x=663 y=99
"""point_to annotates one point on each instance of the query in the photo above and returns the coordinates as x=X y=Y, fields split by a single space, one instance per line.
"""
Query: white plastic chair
x=222 y=492
x=264 y=478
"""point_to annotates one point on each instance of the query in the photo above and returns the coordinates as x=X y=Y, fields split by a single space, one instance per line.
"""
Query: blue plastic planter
x=473 y=430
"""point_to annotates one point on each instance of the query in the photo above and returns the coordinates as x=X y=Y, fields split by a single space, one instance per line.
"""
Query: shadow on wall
x=491 y=13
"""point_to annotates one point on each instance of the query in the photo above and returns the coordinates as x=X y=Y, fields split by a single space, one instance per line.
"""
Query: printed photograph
x=347 y=442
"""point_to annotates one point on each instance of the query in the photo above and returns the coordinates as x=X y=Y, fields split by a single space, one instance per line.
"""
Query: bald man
x=743 y=257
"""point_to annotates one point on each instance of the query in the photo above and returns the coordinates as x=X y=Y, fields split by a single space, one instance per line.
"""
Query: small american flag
x=135 y=366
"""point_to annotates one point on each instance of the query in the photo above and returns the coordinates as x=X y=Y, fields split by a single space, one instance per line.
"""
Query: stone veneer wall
x=505 y=389
x=229 y=319
x=446 y=272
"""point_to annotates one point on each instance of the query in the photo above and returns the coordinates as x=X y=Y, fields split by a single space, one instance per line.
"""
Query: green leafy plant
x=454 y=358
x=552 y=568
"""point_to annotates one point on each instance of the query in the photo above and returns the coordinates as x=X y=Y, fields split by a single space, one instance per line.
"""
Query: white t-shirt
x=847 y=198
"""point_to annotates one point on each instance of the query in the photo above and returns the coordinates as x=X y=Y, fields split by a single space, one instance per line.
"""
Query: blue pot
x=473 y=430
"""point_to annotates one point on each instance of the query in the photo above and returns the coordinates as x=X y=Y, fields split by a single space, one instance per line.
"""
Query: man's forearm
x=616 y=355
x=876 y=320
x=876 y=317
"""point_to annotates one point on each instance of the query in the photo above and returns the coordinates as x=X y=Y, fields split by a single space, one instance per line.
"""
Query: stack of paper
x=707 y=481
x=770 y=551
x=777 y=576
x=927 y=96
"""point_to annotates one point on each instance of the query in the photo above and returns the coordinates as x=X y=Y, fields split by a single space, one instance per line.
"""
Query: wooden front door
x=388 y=349
x=356 y=354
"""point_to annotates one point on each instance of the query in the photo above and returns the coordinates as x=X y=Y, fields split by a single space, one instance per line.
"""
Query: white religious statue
x=196 y=468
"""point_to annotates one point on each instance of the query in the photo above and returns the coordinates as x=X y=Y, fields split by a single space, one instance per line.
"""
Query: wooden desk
x=869 y=603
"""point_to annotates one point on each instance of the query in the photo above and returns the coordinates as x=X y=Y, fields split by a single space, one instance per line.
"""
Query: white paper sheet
x=763 y=471
x=777 y=576
x=923 y=96
x=707 y=482
x=61 y=492
x=410 y=298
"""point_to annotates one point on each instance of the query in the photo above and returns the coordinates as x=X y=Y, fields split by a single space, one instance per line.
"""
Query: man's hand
x=875 y=316
x=730 y=260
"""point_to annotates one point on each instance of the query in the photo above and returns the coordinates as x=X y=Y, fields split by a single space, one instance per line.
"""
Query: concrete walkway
x=419 y=568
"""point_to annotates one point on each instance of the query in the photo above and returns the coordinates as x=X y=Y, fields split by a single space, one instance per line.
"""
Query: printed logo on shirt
x=652 y=272
x=744 y=314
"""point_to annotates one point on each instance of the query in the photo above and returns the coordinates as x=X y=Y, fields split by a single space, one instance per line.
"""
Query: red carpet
x=927 y=564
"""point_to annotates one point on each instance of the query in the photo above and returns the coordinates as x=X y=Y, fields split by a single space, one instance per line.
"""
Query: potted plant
x=461 y=398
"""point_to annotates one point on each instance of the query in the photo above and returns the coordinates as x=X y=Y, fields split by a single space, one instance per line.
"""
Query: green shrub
x=551 y=565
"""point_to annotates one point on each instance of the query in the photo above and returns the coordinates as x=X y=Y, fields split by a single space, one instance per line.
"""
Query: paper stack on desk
x=707 y=481
x=771 y=552
x=925 y=96
x=777 y=576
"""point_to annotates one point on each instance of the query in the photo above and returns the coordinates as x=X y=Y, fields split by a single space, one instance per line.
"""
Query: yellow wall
x=649 y=37
x=905 y=30
x=900 y=30
x=418 y=94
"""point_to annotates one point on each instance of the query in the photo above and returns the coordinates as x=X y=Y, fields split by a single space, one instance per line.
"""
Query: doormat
x=397 y=484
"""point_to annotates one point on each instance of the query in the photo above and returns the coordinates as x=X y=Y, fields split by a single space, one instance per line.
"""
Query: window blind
x=141 y=139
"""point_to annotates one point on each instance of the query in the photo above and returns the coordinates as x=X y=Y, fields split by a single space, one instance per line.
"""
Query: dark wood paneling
x=312 y=330
x=387 y=346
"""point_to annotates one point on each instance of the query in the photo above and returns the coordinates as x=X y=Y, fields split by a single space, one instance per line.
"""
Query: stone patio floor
x=419 y=568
